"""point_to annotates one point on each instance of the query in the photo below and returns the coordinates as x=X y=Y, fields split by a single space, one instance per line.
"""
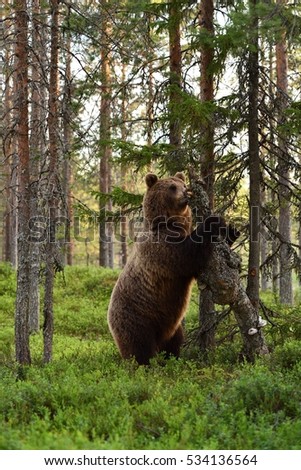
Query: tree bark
x=286 y=288
x=207 y=95
x=9 y=147
x=35 y=158
x=67 y=136
x=53 y=126
x=105 y=245
x=254 y=165
x=123 y=171
x=263 y=248
x=175 y=80
x=6 y=134
x=21 y=80
x=272 y=195
x=222 y=278
x=150 y=81
x=207 y=314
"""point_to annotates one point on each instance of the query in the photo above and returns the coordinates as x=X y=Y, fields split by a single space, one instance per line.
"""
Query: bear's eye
x=173 y=187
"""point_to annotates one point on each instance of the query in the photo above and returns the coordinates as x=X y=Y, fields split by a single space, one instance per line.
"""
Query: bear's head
x=165 y=203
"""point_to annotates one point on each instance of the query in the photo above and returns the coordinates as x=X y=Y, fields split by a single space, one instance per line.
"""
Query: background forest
x=95 y=94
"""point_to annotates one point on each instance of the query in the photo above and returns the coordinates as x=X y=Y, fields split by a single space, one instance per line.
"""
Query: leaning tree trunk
x=222 y=278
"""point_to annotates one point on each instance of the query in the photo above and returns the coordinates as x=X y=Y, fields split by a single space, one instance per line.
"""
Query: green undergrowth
x=88 y=398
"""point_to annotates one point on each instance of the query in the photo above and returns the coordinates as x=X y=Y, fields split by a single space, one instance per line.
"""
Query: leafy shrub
x=288 y=354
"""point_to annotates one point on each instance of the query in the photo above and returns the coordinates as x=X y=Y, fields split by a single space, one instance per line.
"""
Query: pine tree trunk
x=207 y=95
x=263 y=248
x=275 y=247
x=105 y=256
x=123 y=219
x=13 y=205
x=299 y=238
x=274 y=221
x=6 y=138
x=286 y=287
x=53 y=126
x=21 y=79
x=207 y=314
x=254 y=165
x=35 y=158
x=175 y=132
x=67 y=137
x=150 y=107
x=10 y=149
x=4 y=164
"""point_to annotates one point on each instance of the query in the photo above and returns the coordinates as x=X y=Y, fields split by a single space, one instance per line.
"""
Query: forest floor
x=88 y=398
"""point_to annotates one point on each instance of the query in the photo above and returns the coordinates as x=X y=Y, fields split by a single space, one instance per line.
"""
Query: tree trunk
x=105 y=256
x=207 y=95
x=299 y=238
x=35 y=158
x=21 y=78
x=254 y=165
x=175 y=133
x=67 y=136
x=263 y=248
x=9 y=148
x=53 y=126
x=286 y=288
x=207 y=314
x=13 y=203
x=123 y=218
x=274 y=220
x=6 y=137
x=222 y=278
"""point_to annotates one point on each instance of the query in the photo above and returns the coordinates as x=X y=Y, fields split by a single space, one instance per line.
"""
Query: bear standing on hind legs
x=150 y=298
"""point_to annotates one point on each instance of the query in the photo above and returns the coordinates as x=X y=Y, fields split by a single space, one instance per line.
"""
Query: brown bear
x=150 y=298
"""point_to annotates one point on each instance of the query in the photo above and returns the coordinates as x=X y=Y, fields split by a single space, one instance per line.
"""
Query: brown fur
x=151 y=295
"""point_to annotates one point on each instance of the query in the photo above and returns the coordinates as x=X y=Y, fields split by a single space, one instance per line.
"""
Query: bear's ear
x=151 y=179
x=180 y=175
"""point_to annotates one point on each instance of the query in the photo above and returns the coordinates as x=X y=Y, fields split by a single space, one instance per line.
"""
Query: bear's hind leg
x=172 y=347
x=142 y=349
